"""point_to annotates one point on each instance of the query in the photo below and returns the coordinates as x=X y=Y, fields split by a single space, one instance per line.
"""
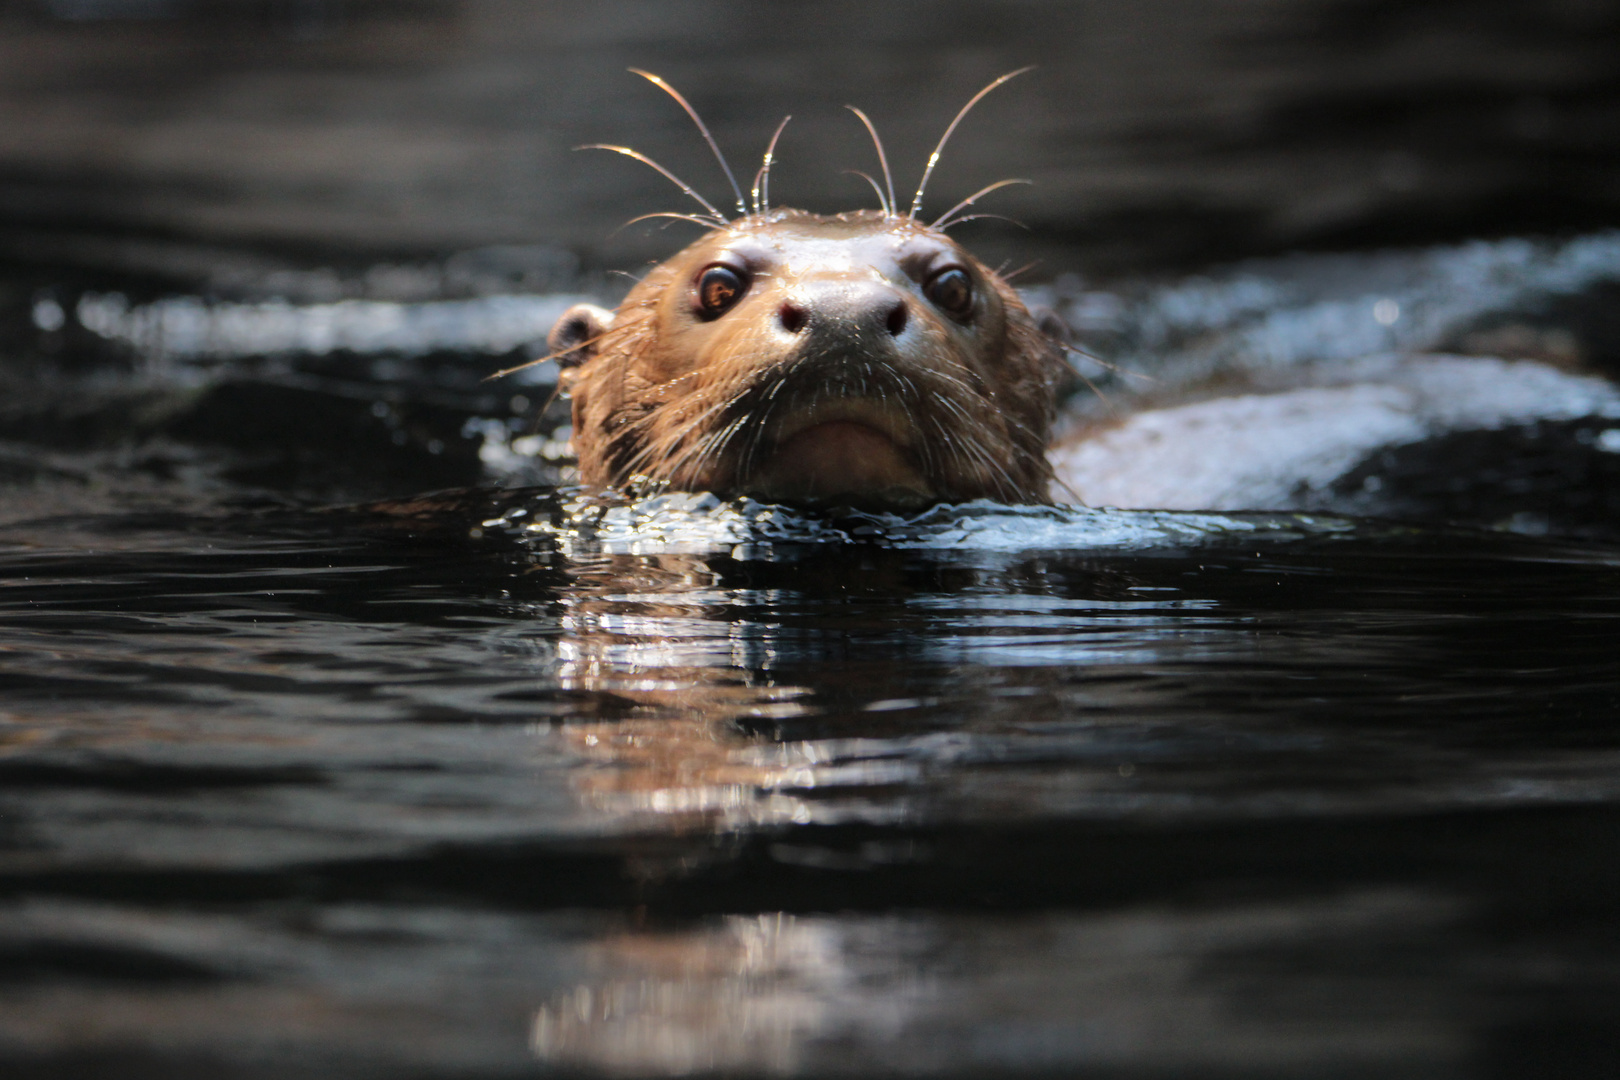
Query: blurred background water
x=340 y=737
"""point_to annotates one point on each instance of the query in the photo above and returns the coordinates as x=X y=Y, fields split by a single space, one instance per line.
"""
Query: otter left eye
x=952 y=291
x=718 y=288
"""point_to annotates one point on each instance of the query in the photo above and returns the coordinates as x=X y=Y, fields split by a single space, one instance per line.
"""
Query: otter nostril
x=897 y=319
x=792 y=317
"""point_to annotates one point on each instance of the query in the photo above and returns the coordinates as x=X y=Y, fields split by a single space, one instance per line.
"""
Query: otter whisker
x=548 y=356
x=679 y=437
x=1017 y=427
x=933 y=159
x=1124 y=373
x=883 y=160
x=874 y=183
x=1021 y=271
x=997 y=471
x=703 y=221
x=712 y=445
x=951 y=404
x=697 y=421
x=720 y=220
x=762 y=179
x=632 y=426
x=977 y=450
x=672 y=454
x=755 y=439
x=950 y=381
x=976 y=217
x=1079 y=499
x=742 y=207
x=759 y=430
x=952 y=445
x=940 y=222
x=1108 y=402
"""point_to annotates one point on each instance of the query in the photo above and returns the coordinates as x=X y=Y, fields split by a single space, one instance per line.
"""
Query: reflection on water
x=1148 y=989
x=808 y=684
x=408 y=784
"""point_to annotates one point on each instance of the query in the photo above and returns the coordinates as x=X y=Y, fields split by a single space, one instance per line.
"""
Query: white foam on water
x=685 y=523
x=1272 y=450
x=190 y=328
x=1309 y=308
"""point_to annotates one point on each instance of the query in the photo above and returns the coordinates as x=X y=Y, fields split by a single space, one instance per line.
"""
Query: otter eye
x=952 y=291
x=718 y=288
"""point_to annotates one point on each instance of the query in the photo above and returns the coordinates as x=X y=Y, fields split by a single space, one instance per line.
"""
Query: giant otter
x=864 y=358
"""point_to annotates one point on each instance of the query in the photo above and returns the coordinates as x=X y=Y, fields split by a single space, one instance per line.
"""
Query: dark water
x=304 y=773
x=1167 y=132
x=364 y=793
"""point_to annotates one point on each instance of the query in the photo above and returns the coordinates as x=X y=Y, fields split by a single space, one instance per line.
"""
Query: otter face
x=863 y=359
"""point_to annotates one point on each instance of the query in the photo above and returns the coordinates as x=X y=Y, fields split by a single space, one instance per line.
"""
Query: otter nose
x=845 y=309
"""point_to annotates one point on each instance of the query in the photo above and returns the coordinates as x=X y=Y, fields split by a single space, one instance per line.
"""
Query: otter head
x=859 y=358
x=863 y=358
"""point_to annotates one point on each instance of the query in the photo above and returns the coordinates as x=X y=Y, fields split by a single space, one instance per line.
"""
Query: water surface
x=405 y=790
x=305 y=773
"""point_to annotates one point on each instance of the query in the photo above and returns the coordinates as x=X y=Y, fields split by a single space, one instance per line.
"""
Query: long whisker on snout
x=954 y=222
x=762 y=179
x=719 y=218
x=933 y=159
x=694 y=218
x=742 y=205
x=868 y=178
x=549 y=356
x=944 y=220
x=883 y=160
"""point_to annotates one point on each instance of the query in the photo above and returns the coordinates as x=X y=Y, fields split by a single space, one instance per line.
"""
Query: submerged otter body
x=861 y=359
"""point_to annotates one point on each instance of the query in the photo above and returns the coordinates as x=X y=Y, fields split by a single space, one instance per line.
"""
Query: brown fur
x=804 y=390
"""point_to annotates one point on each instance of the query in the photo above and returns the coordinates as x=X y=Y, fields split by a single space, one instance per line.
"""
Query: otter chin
x=863 y=359
x=840 y=460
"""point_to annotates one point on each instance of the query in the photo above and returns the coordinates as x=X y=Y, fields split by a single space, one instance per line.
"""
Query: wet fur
x=643 y=412
x=958 y=410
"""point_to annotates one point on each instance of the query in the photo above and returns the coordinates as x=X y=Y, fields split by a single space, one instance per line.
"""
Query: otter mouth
x=850 y=451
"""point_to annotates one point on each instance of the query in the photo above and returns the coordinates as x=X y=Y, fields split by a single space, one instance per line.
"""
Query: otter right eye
x=952 y=290
x=718 y=289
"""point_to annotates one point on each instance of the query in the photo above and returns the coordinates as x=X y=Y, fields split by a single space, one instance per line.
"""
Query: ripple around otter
x=686 y=523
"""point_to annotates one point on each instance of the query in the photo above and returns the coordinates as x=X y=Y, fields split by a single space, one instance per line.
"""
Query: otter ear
x=575 y=337
x=1050 y=322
